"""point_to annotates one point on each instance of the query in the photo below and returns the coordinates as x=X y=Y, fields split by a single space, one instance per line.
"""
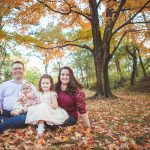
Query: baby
x=26 y=99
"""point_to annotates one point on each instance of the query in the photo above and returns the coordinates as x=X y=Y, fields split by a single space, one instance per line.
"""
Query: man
x=9 y=93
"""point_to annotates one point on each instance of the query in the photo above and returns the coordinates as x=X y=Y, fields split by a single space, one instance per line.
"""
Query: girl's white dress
x=45 y=112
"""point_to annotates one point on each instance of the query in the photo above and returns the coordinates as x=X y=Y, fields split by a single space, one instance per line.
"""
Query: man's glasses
x=27 y=88
x=17 y=68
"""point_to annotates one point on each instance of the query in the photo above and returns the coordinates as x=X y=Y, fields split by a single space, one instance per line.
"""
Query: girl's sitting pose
x=47 y=111
x=26 y=99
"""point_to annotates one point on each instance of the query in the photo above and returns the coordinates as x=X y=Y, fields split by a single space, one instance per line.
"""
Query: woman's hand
x=86 y=120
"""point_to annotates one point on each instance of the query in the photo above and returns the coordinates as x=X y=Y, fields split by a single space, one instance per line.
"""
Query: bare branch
x=126 y=9
x=109 y=26
x=116 y=15
x=118 y=43
x=127 y=49
x=63 y=13
x=65 y=45
x=139 y=22
x=68 y=41
x=133 y=30
x=82 y=14
x=99 y=3
x=40 y=57
x=129 y=20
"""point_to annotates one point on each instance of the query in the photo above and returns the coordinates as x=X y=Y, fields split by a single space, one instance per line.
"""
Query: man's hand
x=1 y=111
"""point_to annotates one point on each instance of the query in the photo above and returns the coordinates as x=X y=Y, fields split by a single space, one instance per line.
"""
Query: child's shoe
x=40 y=129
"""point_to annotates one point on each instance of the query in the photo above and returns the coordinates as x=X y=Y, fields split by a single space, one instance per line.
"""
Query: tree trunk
x=96 y=47
x=141 y=62
x=3 y=56
x=99 y=91
x=46 y=68
x=134 y=69
x=102 y=86
x=82 y=77
x=87 y=75
x=101 y=60
x=119 y=71
x=105 y=81
x=134 y=65
x=59 y=64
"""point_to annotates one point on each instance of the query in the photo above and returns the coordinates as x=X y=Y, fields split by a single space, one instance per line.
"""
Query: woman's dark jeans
x=69 y=122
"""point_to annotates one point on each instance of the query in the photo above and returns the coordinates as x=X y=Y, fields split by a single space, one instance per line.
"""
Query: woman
x=71 y=97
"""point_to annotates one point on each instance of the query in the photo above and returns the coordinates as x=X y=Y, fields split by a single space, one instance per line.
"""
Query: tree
x=32 y=75
x=3 y=55
x=134 y=66
x=122 y=79
x=101 y=42
x=82 y=62
x=141 y=62
x=5 y=69
x=86 y=16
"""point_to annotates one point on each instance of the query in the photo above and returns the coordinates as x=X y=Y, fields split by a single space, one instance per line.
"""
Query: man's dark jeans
x=6 y=114
x=11 y=122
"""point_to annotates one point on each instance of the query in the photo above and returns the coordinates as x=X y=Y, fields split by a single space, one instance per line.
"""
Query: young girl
x=47 y=111
x=26 y=99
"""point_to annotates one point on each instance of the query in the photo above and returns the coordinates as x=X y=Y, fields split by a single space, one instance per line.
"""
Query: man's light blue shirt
x=9 y=93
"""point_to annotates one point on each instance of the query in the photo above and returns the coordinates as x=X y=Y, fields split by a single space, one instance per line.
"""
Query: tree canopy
x=99 y=26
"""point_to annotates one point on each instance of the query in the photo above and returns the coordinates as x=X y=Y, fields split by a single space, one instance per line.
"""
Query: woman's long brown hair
x=72 y=85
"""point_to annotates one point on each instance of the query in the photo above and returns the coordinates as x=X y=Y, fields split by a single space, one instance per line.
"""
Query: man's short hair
x=18 y=62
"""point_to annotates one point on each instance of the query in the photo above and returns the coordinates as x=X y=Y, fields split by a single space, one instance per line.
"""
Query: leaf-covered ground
x=117 y=124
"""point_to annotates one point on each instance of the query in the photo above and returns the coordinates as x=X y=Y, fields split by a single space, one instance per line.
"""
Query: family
x=51 y=105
